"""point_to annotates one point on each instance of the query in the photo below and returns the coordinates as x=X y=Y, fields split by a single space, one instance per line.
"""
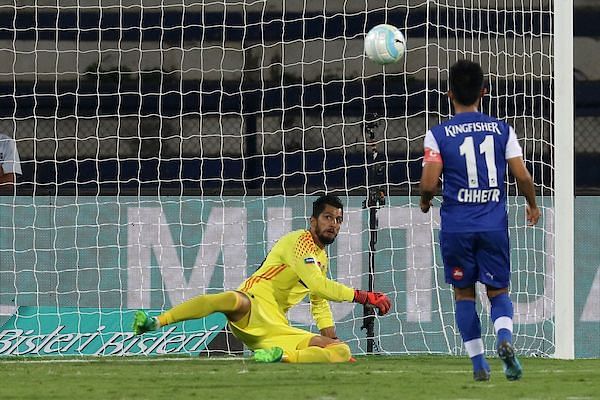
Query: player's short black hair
x=466 y=81
x=327 y=199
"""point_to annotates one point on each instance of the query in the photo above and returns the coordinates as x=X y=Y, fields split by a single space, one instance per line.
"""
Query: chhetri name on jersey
x=478 y=195
x=454 y=130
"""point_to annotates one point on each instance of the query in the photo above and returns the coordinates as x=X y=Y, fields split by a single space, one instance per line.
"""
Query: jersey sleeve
x=432 y=149
x=513 y=148
x=11 y=163
x=321 y=311
x=304 y=263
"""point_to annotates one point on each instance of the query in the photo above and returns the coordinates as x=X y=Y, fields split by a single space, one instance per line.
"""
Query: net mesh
x=168 y=146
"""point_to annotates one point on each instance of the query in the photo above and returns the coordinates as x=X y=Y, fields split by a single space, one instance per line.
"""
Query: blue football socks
x=470 y=330
x=502 y=315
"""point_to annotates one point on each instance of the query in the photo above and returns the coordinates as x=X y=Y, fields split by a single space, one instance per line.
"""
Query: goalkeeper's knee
x=339 y=352
x=334 y=353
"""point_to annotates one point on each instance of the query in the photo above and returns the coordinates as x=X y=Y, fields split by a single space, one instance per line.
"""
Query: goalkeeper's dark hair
x=325 y=200
x=466 y=82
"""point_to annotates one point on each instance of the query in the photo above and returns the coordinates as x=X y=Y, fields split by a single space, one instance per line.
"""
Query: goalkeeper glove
x=376 y=299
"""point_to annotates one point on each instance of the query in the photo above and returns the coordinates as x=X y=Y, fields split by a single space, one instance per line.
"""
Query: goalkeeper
x=256 y=311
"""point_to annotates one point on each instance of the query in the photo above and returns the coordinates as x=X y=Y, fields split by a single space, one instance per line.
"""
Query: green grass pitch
x=372 y=378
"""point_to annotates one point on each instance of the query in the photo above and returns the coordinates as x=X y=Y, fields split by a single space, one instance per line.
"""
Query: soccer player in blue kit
x=471 y=151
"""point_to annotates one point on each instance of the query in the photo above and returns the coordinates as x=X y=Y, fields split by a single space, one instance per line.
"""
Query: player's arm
x=7 y=181
x=6 y=177
x=312 y=278
x=9 y=168
x=322 y=315
x=432 y=170
x=320 y=286
x=329 y=332
x=526 y=187
x=514 y=158
x=430 y=177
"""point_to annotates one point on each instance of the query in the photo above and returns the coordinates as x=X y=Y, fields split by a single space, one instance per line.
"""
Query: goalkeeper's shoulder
x=283 y=250
x=292 y=239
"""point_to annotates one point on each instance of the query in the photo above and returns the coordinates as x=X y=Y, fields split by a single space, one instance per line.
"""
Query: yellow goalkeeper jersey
x=295 y=267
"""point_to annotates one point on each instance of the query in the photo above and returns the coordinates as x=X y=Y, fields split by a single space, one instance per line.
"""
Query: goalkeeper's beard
x=326 y=240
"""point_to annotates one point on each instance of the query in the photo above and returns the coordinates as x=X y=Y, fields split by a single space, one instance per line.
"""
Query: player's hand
x=377 y=299
x=425 y=205
x=533 y=214
x=329 y=332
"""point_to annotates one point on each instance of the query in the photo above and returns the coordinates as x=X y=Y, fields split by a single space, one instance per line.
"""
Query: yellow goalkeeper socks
x=200 y=306
x=334 y=353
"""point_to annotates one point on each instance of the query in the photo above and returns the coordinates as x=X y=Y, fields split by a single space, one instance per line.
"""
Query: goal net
x=165 y=147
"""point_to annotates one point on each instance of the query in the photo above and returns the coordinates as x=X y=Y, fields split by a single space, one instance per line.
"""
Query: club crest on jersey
x=457 y=273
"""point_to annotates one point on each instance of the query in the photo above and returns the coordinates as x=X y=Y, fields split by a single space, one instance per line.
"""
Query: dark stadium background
x=253 y=173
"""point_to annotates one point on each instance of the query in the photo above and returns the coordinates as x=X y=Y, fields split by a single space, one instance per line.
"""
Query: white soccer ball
x=385 y=44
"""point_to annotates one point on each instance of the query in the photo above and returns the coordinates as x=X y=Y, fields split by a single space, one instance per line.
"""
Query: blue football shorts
x=476 y=256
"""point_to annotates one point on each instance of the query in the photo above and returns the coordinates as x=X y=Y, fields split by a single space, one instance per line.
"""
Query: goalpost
x=565 y=177
x=166 y=147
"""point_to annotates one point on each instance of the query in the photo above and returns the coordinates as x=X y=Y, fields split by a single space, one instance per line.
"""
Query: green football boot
x=512 y=366
x=272 y=355
x=142 y=322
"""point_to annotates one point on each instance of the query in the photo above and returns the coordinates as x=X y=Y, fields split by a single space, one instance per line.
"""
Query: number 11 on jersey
x=467 y=149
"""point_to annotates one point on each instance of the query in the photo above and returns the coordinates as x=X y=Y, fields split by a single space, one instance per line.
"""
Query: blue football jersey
x=474 y=148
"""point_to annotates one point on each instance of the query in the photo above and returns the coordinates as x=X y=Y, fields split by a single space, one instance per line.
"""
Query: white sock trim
x=503 y=323
x=474 y=347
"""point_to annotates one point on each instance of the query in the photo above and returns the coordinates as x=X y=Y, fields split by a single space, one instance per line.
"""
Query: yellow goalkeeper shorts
x=268 y=327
